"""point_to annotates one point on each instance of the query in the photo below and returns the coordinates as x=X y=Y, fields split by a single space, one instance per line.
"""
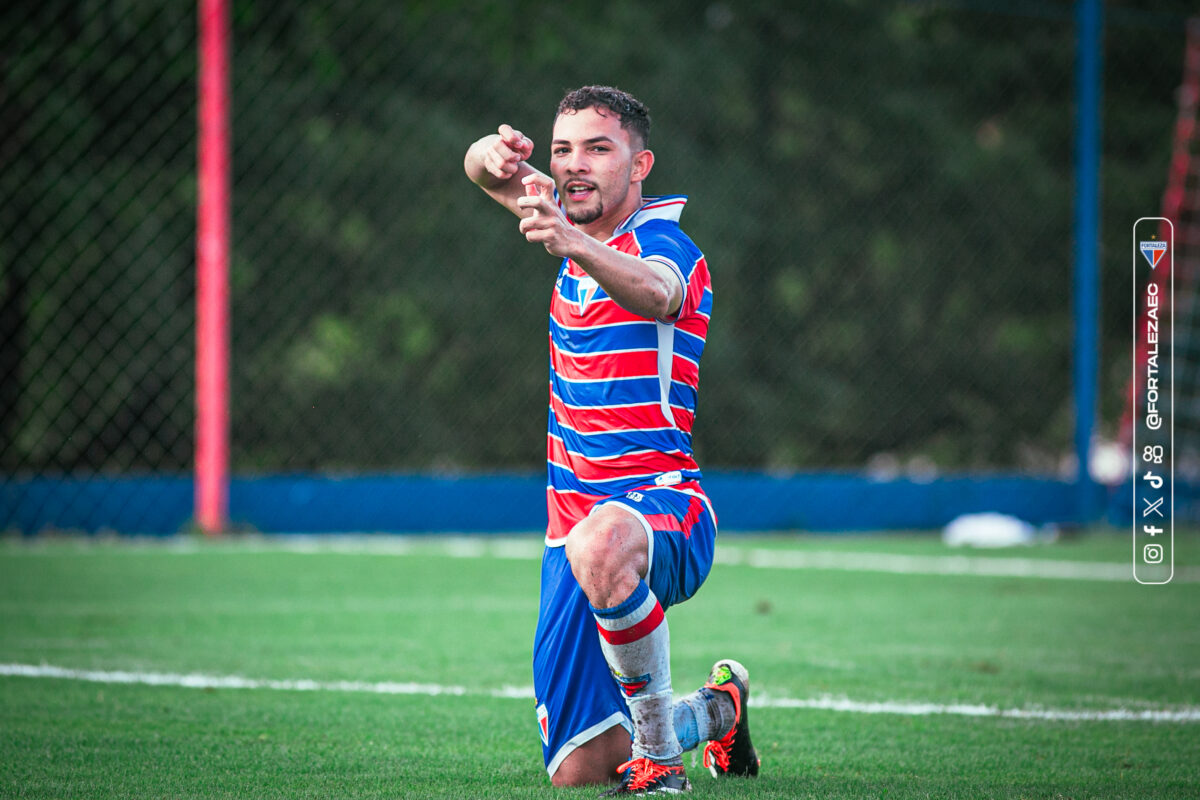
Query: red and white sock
x=637 y=646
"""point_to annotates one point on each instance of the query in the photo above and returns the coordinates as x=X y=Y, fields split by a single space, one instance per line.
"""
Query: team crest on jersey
x=1153 y=252
x=631 y=686
x=587 y=292
x=544 y=724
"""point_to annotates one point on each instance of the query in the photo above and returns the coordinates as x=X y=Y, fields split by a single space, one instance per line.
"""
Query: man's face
x=591 y=161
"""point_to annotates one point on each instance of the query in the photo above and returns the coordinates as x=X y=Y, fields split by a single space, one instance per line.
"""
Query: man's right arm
x=497 y=163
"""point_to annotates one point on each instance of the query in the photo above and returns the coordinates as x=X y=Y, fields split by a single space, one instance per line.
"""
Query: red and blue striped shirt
x=623 y=388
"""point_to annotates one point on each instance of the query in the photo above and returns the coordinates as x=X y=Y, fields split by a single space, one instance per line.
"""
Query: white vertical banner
x=1153 y=383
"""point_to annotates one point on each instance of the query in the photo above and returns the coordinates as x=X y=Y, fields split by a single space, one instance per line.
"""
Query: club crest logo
x=544 y=724
x=587 y=291
x=631 y=686
x=1153 y=252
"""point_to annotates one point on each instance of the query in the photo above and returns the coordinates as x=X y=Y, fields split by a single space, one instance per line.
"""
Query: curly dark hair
x=634 y=116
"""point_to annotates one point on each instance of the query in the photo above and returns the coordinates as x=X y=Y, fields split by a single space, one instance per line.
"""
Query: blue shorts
x=577 y=697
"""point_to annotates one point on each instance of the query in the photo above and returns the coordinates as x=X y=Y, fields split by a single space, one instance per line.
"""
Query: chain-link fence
x=884 y=192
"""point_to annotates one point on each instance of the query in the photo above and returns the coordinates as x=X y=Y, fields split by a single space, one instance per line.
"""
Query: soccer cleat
x=732 y=754
x=643 y=776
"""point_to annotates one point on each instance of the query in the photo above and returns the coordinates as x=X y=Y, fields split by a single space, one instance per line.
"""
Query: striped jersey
x=623 y=388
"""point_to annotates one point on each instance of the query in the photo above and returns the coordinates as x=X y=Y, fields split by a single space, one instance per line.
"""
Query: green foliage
x=884 y=192
x=96 y=219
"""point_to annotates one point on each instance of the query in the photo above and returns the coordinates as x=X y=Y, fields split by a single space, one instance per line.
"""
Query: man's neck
x=604 y=228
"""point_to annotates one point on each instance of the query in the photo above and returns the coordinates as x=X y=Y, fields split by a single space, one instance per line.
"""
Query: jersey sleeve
x=668 y=245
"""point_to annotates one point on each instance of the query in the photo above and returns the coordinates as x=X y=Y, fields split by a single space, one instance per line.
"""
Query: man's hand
x=546 y=223
x=497 y=163
x=504 y=156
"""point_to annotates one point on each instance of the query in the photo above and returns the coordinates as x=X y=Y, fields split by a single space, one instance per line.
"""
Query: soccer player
x=631 y=532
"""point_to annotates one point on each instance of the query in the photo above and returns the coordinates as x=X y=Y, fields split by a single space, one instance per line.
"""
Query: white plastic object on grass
x=993 y=529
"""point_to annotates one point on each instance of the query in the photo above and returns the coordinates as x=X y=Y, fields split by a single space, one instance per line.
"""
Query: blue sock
x=686 y=728
x=702 y=716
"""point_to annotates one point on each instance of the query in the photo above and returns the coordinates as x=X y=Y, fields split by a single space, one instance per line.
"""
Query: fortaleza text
x=1153 y=418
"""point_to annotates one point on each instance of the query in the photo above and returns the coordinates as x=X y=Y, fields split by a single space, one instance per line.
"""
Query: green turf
x=250 y=609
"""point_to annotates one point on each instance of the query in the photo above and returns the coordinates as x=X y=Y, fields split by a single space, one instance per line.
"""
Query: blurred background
x=885 y=192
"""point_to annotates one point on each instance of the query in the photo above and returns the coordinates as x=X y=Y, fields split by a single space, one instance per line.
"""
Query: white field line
x=525 y=548
x=1000 y=566
x=1184 y=714
x=198 y=681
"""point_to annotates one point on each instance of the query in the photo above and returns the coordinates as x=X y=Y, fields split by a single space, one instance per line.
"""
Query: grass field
x=354 y=668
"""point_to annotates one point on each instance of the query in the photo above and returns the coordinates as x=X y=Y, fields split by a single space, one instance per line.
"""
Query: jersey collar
x=667 y=207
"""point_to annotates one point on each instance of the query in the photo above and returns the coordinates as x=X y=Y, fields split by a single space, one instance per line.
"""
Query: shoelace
x=646 y=772
x=718 y=751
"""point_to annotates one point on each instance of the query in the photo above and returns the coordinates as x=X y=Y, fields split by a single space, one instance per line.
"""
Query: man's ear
x=643 y=160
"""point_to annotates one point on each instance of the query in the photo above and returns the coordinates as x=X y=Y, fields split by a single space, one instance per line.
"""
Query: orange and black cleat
x=732 y=754
x=643 y=776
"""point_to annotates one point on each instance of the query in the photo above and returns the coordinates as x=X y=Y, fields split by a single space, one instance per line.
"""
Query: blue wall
x=516 y=502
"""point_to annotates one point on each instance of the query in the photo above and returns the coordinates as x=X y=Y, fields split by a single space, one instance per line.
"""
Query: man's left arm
x=644 y=287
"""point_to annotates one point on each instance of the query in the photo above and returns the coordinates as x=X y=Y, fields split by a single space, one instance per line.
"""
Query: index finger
x=538 y=184
x=532 y=201
x=510 y=136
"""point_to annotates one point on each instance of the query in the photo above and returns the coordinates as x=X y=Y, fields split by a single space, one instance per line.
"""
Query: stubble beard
x=584 y=216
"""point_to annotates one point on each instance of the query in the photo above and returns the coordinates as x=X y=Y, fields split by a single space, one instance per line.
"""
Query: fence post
x=1089 y=40
x=212 y=269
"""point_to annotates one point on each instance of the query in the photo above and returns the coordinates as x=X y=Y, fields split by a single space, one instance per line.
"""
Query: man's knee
x=608 y=554
x=566 y=778
x=595 y=761
x=595 y=543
